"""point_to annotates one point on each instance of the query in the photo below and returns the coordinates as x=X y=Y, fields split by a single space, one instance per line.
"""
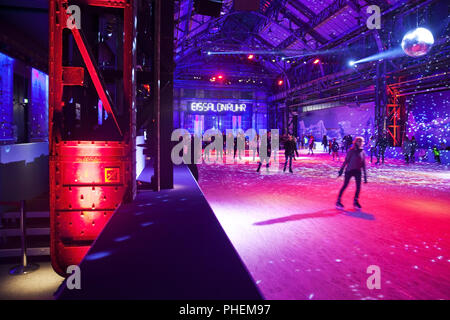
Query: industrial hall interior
x=224 y=150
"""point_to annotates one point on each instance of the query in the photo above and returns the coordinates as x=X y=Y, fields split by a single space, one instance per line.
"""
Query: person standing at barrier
x=207 y=141
x=414 y=146
x=229 y=138
x=437 y=154
x=382 y=144
x=406 y=149
x=265 y=145
x=373 y=148
x=234 y=147
x=240 y=145
x=325 y=142
x=354 y=163
x=253 y=145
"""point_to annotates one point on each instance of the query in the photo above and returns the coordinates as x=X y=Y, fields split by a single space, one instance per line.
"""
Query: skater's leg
x=357 y=175
x=290 y=163
x=259 y=165
x=344 y=186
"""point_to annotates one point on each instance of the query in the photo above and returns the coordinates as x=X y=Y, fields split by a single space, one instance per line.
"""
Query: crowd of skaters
x=354 y=164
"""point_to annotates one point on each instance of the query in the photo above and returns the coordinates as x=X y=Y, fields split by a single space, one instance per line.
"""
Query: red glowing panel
x=250 y=57
x=90 y=173
x=88 y=180
x=280 y=82
x=316 y=61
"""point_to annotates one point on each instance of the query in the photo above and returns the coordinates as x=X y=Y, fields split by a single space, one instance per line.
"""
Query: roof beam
x=299 y=6
x=300 y=23
x=325 y=14
x=329 y=11
x=383 y=4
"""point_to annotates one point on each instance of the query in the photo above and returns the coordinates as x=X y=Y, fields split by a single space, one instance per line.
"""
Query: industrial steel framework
x=89 y=177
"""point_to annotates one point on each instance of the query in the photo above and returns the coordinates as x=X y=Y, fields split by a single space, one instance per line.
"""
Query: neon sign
x=218 y=107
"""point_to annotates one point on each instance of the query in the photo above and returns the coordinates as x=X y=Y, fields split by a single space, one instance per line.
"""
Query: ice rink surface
x=297 y=245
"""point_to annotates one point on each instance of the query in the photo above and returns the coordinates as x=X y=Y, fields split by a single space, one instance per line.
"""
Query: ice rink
x=297 y=245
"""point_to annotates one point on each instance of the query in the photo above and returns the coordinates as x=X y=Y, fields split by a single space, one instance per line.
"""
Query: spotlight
x=250 y=57
x=209 y=53
x=220 y=76
x=351 y=63
x=280 y=82
x=316 y=61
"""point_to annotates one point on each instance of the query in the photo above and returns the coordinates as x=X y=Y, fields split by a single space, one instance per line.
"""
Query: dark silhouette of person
x=414 y=147
x=382 y=144
x=290 y=149
x=265 y=144
x=325 y=142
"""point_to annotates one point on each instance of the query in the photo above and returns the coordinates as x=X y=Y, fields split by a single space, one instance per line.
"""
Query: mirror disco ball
x=417 y=42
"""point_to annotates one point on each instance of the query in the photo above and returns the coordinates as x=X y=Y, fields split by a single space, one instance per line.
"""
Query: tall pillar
x=163 y=67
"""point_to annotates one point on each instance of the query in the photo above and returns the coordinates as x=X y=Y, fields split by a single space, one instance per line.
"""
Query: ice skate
x=339 y=205
x=356 y=205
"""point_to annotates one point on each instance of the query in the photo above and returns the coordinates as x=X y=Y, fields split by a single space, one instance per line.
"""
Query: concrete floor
x=39 y=285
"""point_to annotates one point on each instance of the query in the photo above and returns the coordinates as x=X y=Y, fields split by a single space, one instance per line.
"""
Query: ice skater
x=266 y=145
x=239 y=145
x=414 y=147
x=382 y=144
x=253 y=145
x=373 y=148
x=437 y=154
x=290 y=149
x=355 y=161
x=325 y=143
x=406 y=149
x=311 y=145
x=335 y=148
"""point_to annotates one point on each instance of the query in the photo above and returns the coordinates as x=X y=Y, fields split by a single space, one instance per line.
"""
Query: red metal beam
x=106 y=3
x=94 y=74
x=88 y=179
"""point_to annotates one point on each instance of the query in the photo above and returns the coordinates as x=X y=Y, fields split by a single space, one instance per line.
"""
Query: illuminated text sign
x=218 y=107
